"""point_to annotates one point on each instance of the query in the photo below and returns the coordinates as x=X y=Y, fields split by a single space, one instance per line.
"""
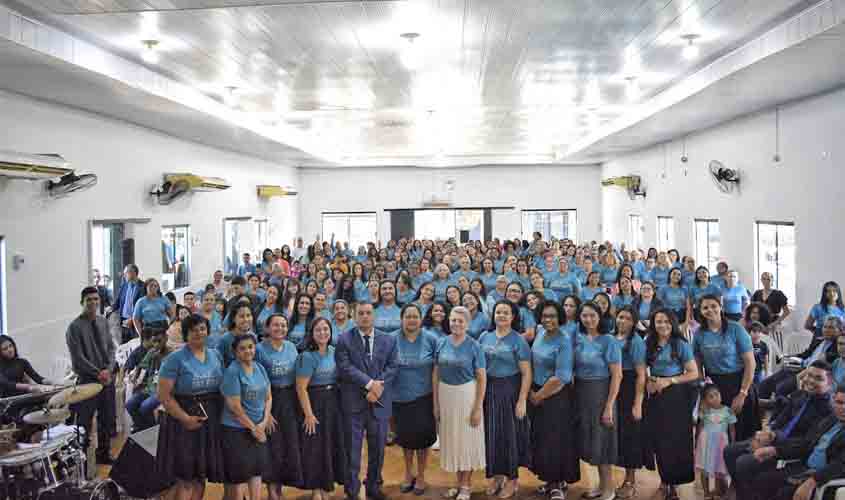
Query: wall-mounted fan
x=176 y=185
x=631 y=183
x=726 y=179
x=169 y=191
x=70 y=183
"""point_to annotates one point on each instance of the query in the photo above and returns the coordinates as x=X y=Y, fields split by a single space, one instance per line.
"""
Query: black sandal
x=407 y=487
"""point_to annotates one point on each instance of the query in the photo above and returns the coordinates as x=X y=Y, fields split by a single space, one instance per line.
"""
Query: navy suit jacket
x=121 y=297
x=355 y=371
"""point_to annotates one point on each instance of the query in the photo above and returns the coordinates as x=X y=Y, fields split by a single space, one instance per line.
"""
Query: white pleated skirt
x=461 y=445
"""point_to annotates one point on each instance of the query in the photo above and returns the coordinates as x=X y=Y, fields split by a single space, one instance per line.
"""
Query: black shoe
x=350 y=496
x=376 y=495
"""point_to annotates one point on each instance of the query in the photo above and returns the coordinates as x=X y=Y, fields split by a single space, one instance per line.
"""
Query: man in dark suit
x=784 y=382
x=367 y=363
x=131 y=290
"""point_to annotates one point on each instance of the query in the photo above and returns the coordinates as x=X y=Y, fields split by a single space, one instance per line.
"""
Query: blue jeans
x=141 y=407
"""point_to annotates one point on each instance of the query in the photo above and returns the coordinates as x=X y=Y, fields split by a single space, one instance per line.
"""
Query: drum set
x=53 y=468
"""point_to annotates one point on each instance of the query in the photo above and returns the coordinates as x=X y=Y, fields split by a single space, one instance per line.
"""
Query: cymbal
x=47 y=417
x=74 y=394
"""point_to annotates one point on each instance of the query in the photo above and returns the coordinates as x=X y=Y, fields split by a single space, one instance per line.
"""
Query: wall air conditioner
x=437 y=200
x=32 y=167
x=267 y=191
x=177 y=185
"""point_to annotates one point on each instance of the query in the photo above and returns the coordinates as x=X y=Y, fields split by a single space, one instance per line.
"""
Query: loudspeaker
x=134 y=468
x=127 y=251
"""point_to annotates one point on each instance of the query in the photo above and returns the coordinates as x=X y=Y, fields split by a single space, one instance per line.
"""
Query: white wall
x=524 y=187
x=43 y=296
x=806 y=188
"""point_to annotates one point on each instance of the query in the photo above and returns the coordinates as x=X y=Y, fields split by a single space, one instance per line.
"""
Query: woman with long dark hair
x=633 y=454
x=668 y=416
x=646 y=303
x=555 y=459
x=726 y=355
x=479 y=322
x=387 y=313
x=598 y=373
x=345 y=289
x=152 y=310
x=506 y=430
x=301 y=319
x=436 y=320
x=240 y=323
x=674 y=297
x=425 y=297
x=625 y=295
x=323 y=450
x=278 y=357
x=272 y=305
x=830 y=304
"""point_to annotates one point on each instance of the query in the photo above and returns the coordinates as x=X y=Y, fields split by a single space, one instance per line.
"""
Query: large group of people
x=505 y=355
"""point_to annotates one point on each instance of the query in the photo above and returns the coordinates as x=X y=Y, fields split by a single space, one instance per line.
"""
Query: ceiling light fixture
x=411 y=56
x=691 y=49
x=150 y=52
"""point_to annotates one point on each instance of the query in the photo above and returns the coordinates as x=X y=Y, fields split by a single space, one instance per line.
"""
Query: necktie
x=367 y=349
x=787 y=430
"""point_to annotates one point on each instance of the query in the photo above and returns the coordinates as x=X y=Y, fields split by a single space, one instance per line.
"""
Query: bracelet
x=744 y=392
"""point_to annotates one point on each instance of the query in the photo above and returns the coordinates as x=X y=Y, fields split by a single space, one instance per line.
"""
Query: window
x=665 y=233
x=560 y=224
x=774 y=244
x=243 y=235
x=635 y=231
x=106 y=255
x=434 y=224
x=175 y=257
x=3 y=286
x=357 y=229
x=262 y=236
x=707 y=243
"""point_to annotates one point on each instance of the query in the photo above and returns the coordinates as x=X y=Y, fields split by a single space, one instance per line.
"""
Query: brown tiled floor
x=439 y=481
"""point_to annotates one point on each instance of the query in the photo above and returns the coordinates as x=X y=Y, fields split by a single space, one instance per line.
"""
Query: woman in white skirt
x=459 y=382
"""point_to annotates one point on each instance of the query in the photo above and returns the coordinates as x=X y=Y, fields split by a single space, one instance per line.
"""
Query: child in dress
x=761 y=350
x=715 y=432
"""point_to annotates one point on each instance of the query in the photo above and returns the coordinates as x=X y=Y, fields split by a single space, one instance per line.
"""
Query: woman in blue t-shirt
x=301 y=319
x=645 y=303
x=565 y=282
x=425 y=297
x=598 y=374
x=278 y=357
x=592 y=287
x=726 y=355
x=675 y=297
x=436 y=320
x=479 y=322
x=633 y=454
x=271 y=306
x=527 y=322
x=625 y=295
x=830 y=304
x=668 y=423
x=189 y=445
x=386 y=314
x=508 y=365
x=700 y=287
x=413 y=402
x=488 y=274
x=459 y=382
x=321 y=426
x=152 y=310
x=246 y=421
x=735 y=297
x=341 y=322
x=555 y=458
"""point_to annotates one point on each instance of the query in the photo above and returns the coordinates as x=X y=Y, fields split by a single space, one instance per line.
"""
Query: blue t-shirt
x=489 y=280
x=644 y=310
x=440 y=287
x=552 y=357
x=297 y=334
x=190 y=375
x=406 y=297
x=695 y=293
x=633 y=351
x=671 y=364
x=594 y=357
x=422 y=279
x=216 y=324
x=639 y=269
x=660 y=275
x=224 y=347
x=386 y=318
x=734 y=298
x=149 y=310
x=718 y=282
x=456 y=365
x=608 y=275
x=588 y=293
x=687 y=278
x=263 y=314
x=526 y=319
x=820 y=315
x=837 y=370
x=673 y=298
x=436 y=331
x=622 y=300
x=279 y=365
x=252 y=388
x=415 y=362
x=338 y=330
x=722 y=354
x=478 y=325
x=503 y=355
x=469 y=275
x=565 y=284
x=322 y=370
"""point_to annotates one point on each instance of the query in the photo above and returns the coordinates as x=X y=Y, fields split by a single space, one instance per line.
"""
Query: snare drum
x=30 y=471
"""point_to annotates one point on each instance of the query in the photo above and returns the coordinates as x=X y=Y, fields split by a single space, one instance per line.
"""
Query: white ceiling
x=323 y=82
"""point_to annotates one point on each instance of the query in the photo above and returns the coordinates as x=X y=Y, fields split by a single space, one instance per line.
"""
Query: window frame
x=776 y=283
x=4 y=319
x=706 y=261
x=349 y=216
x=638 y=241
x=174 y=228
x=570 y=224
x=669 y=244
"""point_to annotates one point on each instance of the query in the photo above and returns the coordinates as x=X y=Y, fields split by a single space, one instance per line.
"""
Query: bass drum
x=100 y=489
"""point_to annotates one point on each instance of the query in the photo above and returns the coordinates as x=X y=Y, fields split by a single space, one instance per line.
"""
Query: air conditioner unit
x=176 y=185
x=267 y=191
x=437 y=200
x=33 y=167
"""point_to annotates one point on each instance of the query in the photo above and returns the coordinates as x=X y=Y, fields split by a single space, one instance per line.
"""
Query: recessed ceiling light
x=150 y=52
x=691 y=49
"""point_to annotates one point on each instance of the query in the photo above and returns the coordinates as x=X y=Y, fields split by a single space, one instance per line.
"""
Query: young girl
x=715 y=427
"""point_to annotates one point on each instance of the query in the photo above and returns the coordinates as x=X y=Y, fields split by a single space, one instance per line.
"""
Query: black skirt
x=324 y=452
x=555 y=456
x=192 y=455
x=506 y=438
x=633 y=452
x=244 y=457
x=284 y=464
x=748 y=420
x=416 y=428
x=597 y=443
x=668 y=426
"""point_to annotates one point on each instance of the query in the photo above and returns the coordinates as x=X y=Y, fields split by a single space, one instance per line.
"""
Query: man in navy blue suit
x=367 y=363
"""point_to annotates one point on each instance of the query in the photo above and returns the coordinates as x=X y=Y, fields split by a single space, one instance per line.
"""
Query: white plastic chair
x=796 y=342
x=837 y=484
x=775 y=354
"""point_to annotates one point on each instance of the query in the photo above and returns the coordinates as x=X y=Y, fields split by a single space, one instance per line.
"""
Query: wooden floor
x=439 y=481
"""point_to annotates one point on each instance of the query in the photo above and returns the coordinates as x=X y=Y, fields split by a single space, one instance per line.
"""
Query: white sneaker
x=436 y=445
